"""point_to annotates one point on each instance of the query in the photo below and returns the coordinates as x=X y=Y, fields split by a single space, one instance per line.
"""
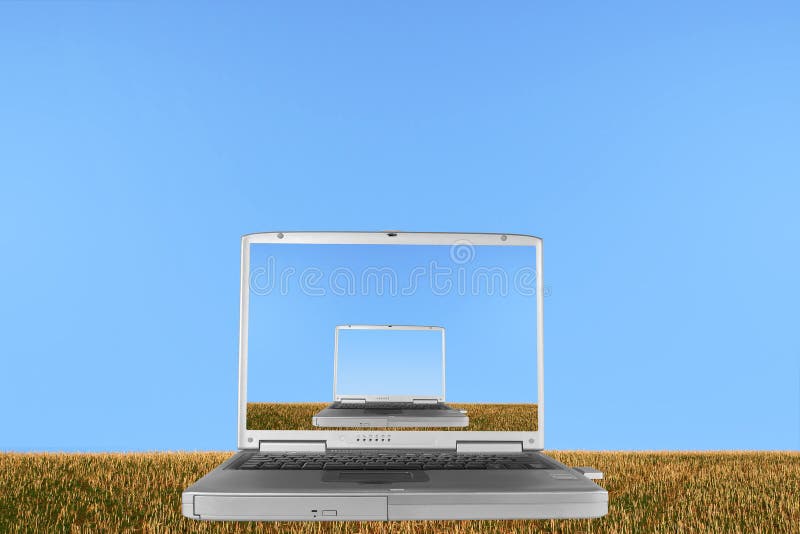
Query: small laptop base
x=390 y=418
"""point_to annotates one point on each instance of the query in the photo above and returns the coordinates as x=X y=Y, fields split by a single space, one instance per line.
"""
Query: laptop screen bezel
x=339 y=396
x=334 y=438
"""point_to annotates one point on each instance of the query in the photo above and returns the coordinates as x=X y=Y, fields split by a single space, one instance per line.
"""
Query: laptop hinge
x=292 y=446
x=425 y=401
x=488 y=446
x=353 y=401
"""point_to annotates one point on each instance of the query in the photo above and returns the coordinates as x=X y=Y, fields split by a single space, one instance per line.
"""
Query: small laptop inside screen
x=389 y=361
x=482 y=296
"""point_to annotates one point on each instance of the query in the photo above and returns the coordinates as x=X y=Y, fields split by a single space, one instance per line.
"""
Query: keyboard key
x=352 y=466
x=309 y=465
x=330 y=466
x=270 y=465
x=375 y=466
x=396 y=466
x=474 y=465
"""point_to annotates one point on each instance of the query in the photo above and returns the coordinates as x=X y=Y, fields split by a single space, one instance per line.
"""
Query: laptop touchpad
x=375 y=477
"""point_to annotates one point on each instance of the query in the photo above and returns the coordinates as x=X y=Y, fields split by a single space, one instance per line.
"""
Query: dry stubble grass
x=675 y=492
x=649 y=492
x=297 y=416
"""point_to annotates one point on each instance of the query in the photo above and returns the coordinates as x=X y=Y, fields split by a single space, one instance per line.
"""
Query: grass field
x=649 y=492
x=297 y=416
x=663 y=492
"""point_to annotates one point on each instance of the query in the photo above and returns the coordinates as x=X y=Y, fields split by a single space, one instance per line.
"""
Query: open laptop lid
x=494 y=337
x=389 y=363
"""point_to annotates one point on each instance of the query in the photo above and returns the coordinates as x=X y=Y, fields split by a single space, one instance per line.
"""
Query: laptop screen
x=482 y=296
x=390 y=361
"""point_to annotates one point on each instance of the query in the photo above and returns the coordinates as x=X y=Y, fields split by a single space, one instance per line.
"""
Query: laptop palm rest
x=375 y=477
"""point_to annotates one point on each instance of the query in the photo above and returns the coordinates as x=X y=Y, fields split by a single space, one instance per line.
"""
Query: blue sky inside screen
x=390 y=362
x=482 y=295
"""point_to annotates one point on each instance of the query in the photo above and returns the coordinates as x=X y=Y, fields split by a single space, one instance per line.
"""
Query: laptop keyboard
x=391 y=460
x=390 y=406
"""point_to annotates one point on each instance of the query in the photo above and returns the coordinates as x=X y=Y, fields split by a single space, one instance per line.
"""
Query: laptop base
x=232 y=494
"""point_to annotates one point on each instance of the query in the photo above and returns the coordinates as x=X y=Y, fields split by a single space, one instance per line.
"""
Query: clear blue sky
x=653 y=147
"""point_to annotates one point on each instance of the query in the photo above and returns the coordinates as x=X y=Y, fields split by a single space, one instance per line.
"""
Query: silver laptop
x=487 y=290
x=368 y=365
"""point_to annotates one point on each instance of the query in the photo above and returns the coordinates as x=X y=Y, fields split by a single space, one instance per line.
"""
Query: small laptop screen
x=390 y=361
x=482 y=296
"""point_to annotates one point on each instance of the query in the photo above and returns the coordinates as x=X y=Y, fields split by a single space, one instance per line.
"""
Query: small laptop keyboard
x=389 y=461
x=390 y=406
